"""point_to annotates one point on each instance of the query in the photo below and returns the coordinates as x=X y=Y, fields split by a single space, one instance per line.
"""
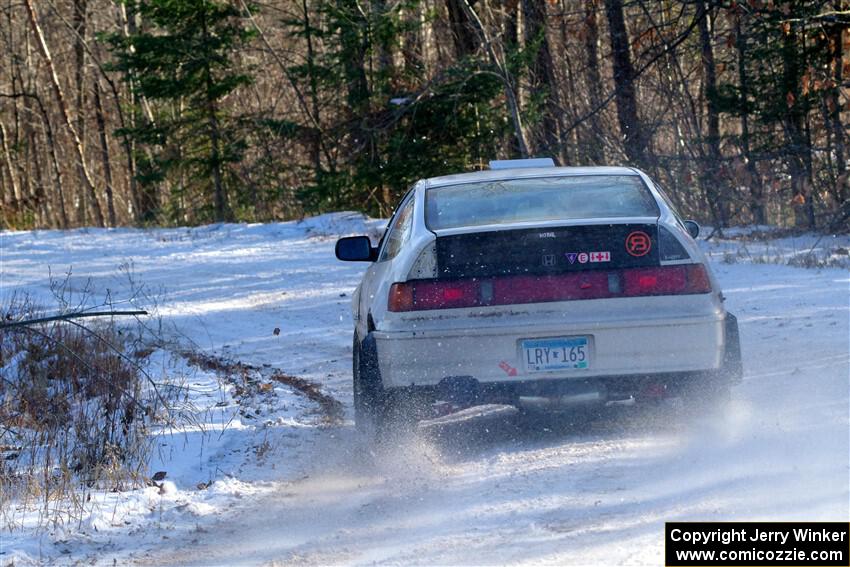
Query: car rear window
x=538 y=199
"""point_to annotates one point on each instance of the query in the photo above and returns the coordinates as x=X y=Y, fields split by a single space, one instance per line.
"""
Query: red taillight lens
x=452 y=294
x=419 y=295
x=666 y=280
x=445 y=295
x=654 y=281
x=698 y=281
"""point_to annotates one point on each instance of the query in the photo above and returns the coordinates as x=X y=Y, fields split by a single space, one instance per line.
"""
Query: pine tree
x=397 y=125
x=182 y=61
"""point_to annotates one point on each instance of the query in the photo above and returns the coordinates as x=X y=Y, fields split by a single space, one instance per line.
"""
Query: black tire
x=380 y=412
x=369 y=400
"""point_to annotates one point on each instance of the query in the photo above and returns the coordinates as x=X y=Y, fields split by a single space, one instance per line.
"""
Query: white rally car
x=536 y=285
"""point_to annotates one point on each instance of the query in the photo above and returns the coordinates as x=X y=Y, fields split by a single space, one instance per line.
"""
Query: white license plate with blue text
x=561 y=353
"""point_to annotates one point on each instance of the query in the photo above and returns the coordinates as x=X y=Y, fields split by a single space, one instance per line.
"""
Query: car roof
x=524 y=172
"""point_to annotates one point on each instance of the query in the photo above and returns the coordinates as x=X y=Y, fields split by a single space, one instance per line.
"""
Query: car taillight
x=698 y=280
x=667 y=280
x=401 y=297
x=418 y=295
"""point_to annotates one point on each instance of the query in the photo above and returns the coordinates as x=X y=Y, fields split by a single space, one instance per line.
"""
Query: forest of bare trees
x=174 y=112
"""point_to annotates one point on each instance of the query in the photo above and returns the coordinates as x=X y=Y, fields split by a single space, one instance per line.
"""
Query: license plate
x=566 y=353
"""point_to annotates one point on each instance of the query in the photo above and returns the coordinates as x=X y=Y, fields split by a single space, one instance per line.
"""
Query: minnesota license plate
x=562 y=353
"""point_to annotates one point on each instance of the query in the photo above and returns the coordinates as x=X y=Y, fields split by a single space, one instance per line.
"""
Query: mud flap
x=733 y=367
x=369 y=369
x=387 y=410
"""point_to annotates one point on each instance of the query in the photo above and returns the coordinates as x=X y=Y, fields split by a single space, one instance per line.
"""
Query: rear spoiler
x=519 y=163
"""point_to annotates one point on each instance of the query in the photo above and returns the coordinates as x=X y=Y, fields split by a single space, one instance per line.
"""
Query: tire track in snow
x=331 y=408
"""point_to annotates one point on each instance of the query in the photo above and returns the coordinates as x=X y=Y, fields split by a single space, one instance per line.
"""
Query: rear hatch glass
x=547 y=250
x=538 y=199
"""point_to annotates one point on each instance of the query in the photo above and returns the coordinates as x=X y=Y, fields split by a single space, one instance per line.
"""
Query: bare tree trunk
x=214 y=132
x=357 y=85
x=383 y=83
x=353 y=39
x=595 y=147
x=146 y=197
x=462 y=27
x=16 y=196
x=507 y=80
x=54 y=162
x=63 y=107
x=413 y=43
x=836 y=127
x=710 y=165
x=79 y=24
x=384 y=48
x=84 y=50
x=511 y=23
x=794 y=126
x=316 y=137
x=221 y=213
x=48 y=214
x=571 y=145
x=635 y=139
x=757 y=204
x=543 y=78
x=32 y=191
x=104 y=154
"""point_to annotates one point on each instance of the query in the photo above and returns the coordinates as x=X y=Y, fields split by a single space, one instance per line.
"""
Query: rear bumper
x=620 y=351
x=561 y=394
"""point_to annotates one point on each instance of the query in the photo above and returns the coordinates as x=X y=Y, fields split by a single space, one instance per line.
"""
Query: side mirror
x=355 y=249
x=693 y=228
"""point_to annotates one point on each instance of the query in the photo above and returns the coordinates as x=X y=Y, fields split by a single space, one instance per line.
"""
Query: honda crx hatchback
x=536 y=286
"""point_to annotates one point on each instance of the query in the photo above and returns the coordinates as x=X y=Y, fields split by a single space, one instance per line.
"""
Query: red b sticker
x=638 y=243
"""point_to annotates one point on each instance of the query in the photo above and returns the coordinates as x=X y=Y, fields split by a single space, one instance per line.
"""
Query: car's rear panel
x=627 y=336
x=562 y=282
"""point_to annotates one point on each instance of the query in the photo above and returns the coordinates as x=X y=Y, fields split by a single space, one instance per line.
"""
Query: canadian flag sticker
x=600 y=256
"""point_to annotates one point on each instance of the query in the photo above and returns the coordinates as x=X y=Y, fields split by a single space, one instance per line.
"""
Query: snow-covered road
x=488 y=490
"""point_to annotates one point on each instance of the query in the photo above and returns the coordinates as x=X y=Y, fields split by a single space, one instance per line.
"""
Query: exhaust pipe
x=561 y=401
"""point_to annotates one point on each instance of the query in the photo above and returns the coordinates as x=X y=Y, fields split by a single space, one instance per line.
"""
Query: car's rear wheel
x=378 y=411
x=713 y=389
x=369 y=410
